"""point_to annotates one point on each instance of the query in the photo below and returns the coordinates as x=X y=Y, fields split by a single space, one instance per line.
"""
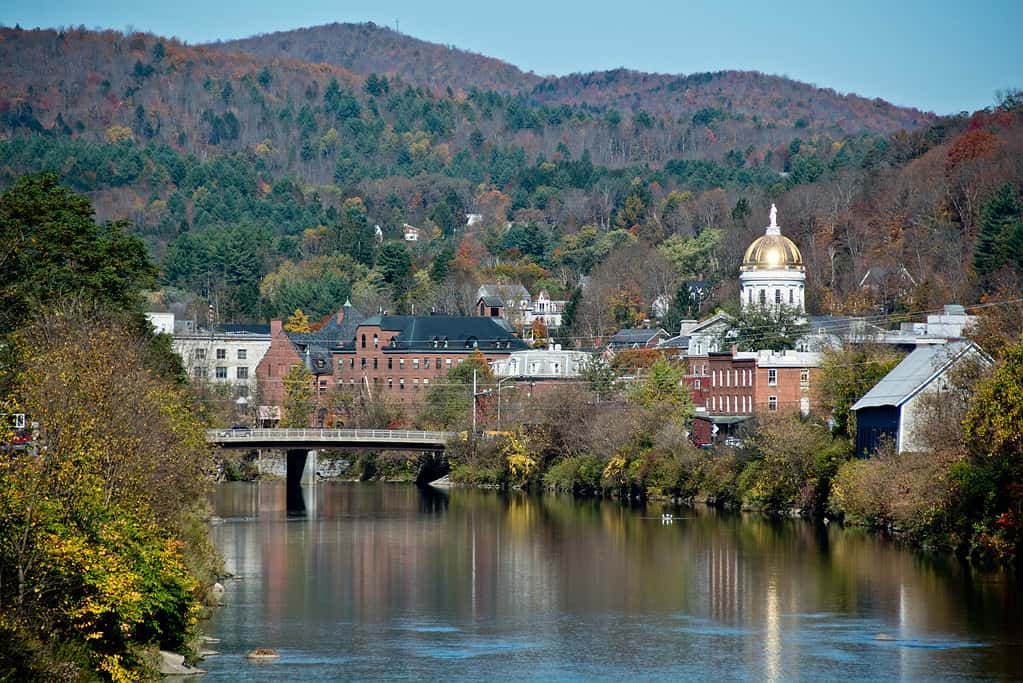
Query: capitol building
x=772 y=271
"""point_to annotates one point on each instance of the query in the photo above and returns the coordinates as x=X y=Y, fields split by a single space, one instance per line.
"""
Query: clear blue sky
x=942 y=55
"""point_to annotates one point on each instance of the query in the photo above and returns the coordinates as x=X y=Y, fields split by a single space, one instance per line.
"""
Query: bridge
x=302 y=444
x=387 y=439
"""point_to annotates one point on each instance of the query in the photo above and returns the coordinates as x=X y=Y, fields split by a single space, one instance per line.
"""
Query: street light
x=499 y=389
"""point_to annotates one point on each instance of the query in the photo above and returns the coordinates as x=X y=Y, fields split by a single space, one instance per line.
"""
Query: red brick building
x=401 y=355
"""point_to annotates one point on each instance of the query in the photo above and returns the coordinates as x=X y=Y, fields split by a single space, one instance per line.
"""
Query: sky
x=940 y=55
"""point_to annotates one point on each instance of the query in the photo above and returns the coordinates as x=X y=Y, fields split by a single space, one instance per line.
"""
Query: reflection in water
x=390 y=581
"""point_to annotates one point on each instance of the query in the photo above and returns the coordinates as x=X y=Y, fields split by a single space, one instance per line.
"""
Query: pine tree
x=997 y=220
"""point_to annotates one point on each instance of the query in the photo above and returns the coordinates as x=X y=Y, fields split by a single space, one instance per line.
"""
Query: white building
x=549 y=363
x=547 y=309
x=773 y=273
x=410 y=232
x=223 y=358
x=163 y=323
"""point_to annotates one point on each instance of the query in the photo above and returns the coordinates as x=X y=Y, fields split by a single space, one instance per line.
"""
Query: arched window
x=376 y=341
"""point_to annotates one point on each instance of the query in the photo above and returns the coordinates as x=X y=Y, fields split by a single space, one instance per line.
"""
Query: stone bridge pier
x=302 y=465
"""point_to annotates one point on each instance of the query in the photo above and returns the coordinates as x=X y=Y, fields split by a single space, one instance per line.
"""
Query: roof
x=679 y=342
x=495 y=301
x=636 y=335
x=509 y=291
x=432 y=332
x=915 y=372
x=232 y=328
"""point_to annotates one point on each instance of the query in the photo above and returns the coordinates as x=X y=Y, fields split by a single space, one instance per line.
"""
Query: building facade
x=400 y=356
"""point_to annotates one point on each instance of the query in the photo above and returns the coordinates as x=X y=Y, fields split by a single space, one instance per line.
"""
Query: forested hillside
x=765 y=100
x=258 y=182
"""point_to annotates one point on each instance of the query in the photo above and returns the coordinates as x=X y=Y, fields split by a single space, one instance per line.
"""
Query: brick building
x=401 y=355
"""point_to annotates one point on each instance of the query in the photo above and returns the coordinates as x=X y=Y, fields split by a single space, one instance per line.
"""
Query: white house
x=224 y=358
x=410 y=232
x=547 y=309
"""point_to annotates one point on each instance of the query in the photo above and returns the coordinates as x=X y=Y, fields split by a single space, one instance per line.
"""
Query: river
x=391 y=582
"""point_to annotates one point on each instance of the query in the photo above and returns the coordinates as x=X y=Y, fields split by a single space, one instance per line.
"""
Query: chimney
x=276 y=327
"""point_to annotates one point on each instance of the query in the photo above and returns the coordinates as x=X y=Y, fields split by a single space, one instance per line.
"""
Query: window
x=415 y=383
x=447 y=361
x=804 y=378
x=363 y=341
x=243 y=354
x=728 y=404
x=426 y=381
x=376 y=342
x=221 y=354
x=713 y=403
x=243 y=391
x=221 y=372
x=415 y=363
x=362 y=363
x=200 y=373
x=351 y=362
x=242 y=373
x=376 y=363
x=401 y=363
x=390 y=363
x=713 y=378
x=763 y=297
x=426 y=363
x=699 y=348
x=791 y=295
x=200 y=354
x=390 y=383
x=772 y=403
x=772 y=377
x=749 y=296
x=401 y=383
x=777 y=296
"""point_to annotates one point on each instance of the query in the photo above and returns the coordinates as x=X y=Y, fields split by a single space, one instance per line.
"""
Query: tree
x=298 y=397
x=395 y=266
x=601 y=377
x=99 y=527
x=449 y=403
x=663 y=392
x=847 y=374
x=53 y=250
x=298 y=322
x=354 y=236
x=997 y=239
x=766 y=327
x=441 y=265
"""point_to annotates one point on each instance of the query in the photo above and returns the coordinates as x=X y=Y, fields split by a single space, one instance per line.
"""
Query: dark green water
x=389 y=582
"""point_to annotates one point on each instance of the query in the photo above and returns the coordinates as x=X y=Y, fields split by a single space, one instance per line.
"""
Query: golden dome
x=773 y=251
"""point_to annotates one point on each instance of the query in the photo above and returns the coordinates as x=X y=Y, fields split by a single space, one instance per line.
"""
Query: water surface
x=391 y=582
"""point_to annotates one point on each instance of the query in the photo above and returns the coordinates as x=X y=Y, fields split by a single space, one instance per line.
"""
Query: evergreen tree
x=396 y=270
x=354 y=235
x=996 y=239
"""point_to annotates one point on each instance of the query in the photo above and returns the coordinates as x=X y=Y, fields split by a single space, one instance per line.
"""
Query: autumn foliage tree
x=102 y=548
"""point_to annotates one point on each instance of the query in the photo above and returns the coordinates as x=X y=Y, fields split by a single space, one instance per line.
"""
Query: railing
x=326 y=435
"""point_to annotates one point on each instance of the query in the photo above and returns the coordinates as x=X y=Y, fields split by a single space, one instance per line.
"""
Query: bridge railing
x=326 y=435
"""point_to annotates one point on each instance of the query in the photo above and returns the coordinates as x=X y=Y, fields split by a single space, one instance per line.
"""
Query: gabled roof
x=501 y=291
x=495 y=301
x=679 y=342
x=637 y=335
x=915 y=372
x=719 y=317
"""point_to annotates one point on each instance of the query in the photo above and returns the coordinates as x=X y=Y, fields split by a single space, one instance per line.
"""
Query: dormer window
x=445 y=342
x=435 y=342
